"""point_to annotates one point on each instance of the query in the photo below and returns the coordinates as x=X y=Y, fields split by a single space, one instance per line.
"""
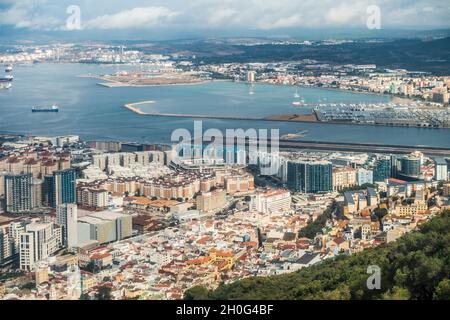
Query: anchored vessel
x=7 y=78
x=5 y=85
x=45 y=109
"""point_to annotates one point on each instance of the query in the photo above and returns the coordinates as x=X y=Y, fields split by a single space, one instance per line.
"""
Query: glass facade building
x=310 y=177
x=382 y=170
x=60 y=188
x=410 y=166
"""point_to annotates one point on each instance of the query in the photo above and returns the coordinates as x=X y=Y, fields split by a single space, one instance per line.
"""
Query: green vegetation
x=355 y=188
x=417 y=266
x=315 y=227
x=90 y=267
x=103 y=293
x=403 y=54
x=85 y=297
x=10 y=275
x=28 y=286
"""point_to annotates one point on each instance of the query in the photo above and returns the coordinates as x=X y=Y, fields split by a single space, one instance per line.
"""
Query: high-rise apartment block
x=18 y=193
x=60 y=188
x=310 y=177
x=66 y=217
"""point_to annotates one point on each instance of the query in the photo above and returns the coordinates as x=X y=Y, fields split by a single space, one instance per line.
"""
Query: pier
x=302 y=118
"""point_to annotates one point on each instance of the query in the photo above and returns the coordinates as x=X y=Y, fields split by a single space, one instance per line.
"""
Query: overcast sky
x=211 y=15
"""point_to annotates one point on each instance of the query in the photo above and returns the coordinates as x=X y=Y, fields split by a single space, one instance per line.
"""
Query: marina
x=391 y=114
x=373 y=114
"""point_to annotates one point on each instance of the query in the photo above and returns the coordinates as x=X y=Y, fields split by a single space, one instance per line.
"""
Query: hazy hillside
x=412 y=54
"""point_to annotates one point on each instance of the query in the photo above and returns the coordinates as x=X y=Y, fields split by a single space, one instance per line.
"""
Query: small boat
x=9 y=68
x=7 y=78
x=251 y=91
x=5 y=85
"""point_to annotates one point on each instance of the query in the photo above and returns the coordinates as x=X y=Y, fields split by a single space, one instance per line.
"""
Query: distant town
x=81 y=219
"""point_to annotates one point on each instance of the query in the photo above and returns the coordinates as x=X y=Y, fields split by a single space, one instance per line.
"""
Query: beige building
x=92 y=198
x=344 y=178
x=366 y=231
x=239 y=184
x=359 y=200
x=446 y=189
x=211 y=201
x=104 y=227
x=41 y=274
x=418 y=207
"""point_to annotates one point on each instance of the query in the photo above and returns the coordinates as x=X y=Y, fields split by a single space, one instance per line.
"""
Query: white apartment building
x=441 y=169
x=271 y=201
x=100 y=161
x=66 y=217
x=37 y=243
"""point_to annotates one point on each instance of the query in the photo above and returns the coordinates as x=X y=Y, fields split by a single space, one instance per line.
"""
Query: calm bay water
x=96 y=112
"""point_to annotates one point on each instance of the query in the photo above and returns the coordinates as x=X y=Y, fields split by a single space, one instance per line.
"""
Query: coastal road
x=363 y=147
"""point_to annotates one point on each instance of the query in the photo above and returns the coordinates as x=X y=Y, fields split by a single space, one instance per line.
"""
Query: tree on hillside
x=103 y=293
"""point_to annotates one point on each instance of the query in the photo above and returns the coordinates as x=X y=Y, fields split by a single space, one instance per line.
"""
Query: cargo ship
x=45 y=109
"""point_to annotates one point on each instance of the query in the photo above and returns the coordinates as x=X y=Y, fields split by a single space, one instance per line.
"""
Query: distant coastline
x=140 y=83
x=115 y=84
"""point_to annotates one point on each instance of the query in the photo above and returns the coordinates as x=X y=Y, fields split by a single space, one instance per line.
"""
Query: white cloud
x=135 y=18
x=346 y=14
x=214 y=14
x=220 y=16
x=26 y=14
x=283 y=22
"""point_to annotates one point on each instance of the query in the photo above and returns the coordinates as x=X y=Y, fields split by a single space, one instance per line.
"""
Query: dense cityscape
x=143 y=227
x=224 y=158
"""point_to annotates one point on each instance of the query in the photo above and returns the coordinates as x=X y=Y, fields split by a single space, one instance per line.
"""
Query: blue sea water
x=96 y=112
